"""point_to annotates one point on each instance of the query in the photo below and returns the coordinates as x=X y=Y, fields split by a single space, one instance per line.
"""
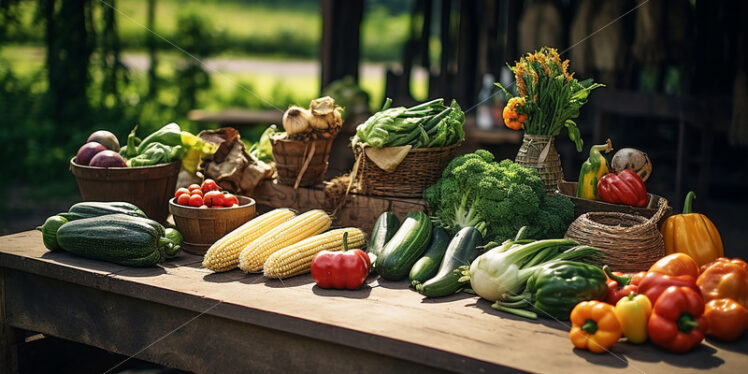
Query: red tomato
x=181 y=191
x=193 y=187
x=196 y=200
x=197 y=192
x=230 y=200
x=183 y=199
x=210 y=185
x=213 y=198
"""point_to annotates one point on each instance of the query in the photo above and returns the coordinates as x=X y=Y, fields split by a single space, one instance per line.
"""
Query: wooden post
x=467 y=54
x=341 y=24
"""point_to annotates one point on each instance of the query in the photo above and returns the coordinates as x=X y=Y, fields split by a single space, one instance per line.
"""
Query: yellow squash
x=592 y=170
x=693 y=234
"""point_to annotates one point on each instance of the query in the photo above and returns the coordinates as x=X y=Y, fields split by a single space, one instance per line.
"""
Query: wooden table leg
x=10 y=337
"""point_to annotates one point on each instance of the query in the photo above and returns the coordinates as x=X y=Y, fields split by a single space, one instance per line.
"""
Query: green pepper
x=131 y=149
x=557 y=287
x=153 y=154
x=170 y=135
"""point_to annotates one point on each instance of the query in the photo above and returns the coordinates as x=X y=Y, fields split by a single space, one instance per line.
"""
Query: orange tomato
x=676 y=264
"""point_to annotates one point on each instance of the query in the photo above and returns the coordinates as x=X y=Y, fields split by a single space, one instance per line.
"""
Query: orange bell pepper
x=676 y=264
x=727 y=319
x=594 y=326
x=693 y=234
x=725 y=278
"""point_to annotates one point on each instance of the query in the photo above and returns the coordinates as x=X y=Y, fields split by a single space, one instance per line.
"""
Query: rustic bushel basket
x=628 y=243
x=539 y=152
x=148 y=187
x=420 y=169
x=301 y=163
x=202 y=227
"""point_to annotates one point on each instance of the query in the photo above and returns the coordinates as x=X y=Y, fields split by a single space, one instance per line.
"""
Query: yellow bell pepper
x=693 y=234
x=633 y=313
x=592 y=170
x=594 y=326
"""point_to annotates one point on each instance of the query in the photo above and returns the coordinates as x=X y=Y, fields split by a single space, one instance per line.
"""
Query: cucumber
x=384 y=229
x=117 y=238
x=427 y=266
x=49 y=231
x=405 y=247
x=90 y=209
x=462 y=250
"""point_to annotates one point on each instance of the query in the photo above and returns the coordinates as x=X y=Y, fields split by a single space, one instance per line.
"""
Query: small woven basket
x=301 y=163
x=420 y=169
x=539 y=152
x=628 y=243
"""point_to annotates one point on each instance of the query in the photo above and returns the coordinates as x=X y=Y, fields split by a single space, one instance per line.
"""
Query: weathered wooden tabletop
x=186 y=317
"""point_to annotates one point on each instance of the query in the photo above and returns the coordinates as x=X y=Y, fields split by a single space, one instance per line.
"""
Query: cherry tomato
x=197 y=192
x=193 y=187
x=230 y=200
x=183 y=199
x=210 y=185
x=181 y=191
x=213 y=198
x=196 y=200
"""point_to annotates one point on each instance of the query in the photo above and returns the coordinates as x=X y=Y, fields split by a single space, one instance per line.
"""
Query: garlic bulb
x=296 y=120
x=325 y=114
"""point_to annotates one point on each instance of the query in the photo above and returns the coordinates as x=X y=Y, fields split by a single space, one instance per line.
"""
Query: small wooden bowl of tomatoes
x=204 y=213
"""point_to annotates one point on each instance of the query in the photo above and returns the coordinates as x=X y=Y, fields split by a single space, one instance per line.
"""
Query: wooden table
x=183 y=316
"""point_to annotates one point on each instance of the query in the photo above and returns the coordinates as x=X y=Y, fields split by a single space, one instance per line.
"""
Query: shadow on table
x=361 y=293
x=740 y=345
x=611 y=359
x=297 y=281
x=446 y=299
x=100 y=266
x=378 y=281
x=485 y=306
x=225 y=277
x=701 y=357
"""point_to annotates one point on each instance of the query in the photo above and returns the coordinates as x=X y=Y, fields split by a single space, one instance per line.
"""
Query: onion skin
x=108 y=159
x=105 y=138
x=87 y=152
x=633 y=159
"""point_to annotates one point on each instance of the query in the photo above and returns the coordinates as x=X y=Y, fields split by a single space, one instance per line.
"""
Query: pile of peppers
x=674 y=304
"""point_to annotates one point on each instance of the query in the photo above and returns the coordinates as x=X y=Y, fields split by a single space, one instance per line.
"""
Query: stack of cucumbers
x=423 y=253
x=116 y=232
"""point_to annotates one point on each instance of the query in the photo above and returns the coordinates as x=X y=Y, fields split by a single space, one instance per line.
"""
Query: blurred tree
x=152 y=47
x=113 y=68
x=196 y=33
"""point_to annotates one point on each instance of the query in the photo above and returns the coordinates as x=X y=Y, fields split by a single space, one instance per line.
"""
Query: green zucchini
x=384 y=229
x=405 y=247
x=462 y=250
x=49 y=231
x=90 y=209
x=117 y=238
x=427 y=266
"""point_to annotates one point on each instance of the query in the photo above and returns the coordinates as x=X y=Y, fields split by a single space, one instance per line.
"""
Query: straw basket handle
x=306 y=164
x=661 y=208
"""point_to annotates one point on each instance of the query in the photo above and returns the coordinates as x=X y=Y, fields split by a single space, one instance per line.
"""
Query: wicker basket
x=420 y=169
x=301 y=163
x=628 y=243
x=148 y=187
x=539 y=152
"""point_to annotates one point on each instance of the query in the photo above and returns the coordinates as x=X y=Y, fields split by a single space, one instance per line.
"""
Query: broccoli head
x=497 y=198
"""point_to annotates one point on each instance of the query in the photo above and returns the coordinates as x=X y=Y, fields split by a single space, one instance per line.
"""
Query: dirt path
x=139 y=61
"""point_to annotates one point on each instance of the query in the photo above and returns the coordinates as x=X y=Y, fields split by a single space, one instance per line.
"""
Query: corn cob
x=223 y=255
x=290 y=232
x=297 y=258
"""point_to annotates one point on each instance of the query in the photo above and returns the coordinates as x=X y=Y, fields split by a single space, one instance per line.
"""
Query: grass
x=239 y=28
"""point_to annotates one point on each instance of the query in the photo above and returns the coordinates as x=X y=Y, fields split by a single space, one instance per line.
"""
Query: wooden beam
x=341 y=28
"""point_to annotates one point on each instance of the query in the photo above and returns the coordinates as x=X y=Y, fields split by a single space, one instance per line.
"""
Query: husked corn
x=223 y=255
x=292 y=231
x=297 y=258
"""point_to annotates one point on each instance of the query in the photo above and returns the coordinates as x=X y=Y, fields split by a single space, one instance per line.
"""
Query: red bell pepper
x=654 y=284
x=677 y=322
x=626 y=187
x=341 y=270
x=621 y=285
